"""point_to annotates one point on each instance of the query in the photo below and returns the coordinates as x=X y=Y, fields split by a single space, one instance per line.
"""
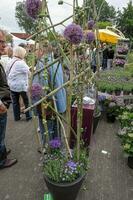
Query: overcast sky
x=7 y=12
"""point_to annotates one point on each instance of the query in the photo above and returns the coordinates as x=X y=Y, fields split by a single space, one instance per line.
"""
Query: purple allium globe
x=55 y=143
x=91 y=24
x=90 y=37
x=36 y=91
x=73 y=33
x=32 y=8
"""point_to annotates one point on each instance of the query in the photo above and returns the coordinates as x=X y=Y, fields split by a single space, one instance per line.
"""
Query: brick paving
x=109 y=177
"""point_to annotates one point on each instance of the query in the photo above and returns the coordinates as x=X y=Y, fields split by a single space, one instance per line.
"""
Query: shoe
x=8 y=151
x=38 y=130
x=41 y=151
x=18 y=119
x=28 y=119
x=9 y=163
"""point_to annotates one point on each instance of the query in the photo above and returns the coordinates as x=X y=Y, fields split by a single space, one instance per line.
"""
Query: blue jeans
x=16 y=105
x=104 y=64
x=3 y=122
x=52 y=129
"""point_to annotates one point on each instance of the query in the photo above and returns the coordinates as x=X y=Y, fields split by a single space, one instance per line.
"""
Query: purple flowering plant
x=33 y=8
x=59 y=168
x=89 y=37
x=91 y=24
x=55 y=143
x=122 y=50
x=120 y=62
x=73 y=33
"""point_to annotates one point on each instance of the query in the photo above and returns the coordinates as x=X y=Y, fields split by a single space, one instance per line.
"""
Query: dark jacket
x=110 y=54
x=4 y=88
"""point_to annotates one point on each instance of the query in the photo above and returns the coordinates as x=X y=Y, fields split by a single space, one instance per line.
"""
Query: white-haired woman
x=17 y=72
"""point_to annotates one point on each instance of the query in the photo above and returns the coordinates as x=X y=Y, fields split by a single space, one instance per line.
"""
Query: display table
x=87 y=123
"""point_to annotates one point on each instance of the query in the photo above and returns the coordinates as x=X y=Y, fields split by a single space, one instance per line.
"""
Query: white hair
x=19 y=52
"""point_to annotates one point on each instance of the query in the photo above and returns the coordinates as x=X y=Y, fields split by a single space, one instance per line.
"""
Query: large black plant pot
x=110 y=118
x=64 y=191
x=130 y=162
x=96 y=119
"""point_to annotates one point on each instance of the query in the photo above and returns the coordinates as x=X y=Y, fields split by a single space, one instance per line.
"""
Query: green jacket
x=4 y=88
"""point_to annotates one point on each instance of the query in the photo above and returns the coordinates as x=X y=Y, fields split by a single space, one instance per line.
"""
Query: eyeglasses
x=2 y=41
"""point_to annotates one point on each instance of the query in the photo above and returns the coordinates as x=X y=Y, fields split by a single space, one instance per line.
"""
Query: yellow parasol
x=109 y=36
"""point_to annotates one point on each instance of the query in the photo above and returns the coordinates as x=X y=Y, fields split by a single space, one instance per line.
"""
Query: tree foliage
x=125 y=20
x=103 y=25
x=24 y=21
x=107 y=12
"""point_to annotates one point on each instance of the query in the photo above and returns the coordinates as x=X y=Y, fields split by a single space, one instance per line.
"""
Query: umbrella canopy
x=17 y=41
x=106 y=35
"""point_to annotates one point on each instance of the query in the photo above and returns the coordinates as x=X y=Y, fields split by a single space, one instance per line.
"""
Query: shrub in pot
x=111 y=113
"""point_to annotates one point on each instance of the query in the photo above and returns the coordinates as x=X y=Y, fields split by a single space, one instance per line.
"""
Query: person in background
x=18 y=77
x=110 y=58
x=54 y=80
x=105 y=56
x=4 y=104
x=7 y=56
x=93 y=59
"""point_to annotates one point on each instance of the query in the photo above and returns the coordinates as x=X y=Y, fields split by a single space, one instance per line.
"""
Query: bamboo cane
x=59 y=88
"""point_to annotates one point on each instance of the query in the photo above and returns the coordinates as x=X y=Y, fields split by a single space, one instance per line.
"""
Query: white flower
x=122 y=131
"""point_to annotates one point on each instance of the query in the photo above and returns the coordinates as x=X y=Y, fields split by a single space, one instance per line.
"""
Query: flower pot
x=96 y=119
x=117 y=92
x=130 y=162
x=110 y=117
x=64 y=191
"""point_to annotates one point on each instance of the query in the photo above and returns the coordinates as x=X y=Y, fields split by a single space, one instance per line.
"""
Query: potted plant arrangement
x=64 y=169
x=111 y=111
x=63 y=173
x=120 y=62
x=126 y=133
x=122 y=50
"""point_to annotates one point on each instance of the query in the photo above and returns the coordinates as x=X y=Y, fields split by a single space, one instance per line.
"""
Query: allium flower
x=33 y=7
x=71 y=164
x=90 y=37
x=73 y=33
x=36 y=91
x=91 y=24
x=55 y=143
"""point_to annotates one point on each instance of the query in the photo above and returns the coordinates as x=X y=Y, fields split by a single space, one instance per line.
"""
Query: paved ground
x=109 y=178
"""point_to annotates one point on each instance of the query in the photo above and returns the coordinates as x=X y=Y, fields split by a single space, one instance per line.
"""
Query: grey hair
x=19 y=52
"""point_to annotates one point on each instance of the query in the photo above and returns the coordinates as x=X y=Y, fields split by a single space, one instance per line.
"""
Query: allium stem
x=69 y=93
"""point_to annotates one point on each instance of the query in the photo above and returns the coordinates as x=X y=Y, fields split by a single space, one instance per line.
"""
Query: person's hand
x=3 y=108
